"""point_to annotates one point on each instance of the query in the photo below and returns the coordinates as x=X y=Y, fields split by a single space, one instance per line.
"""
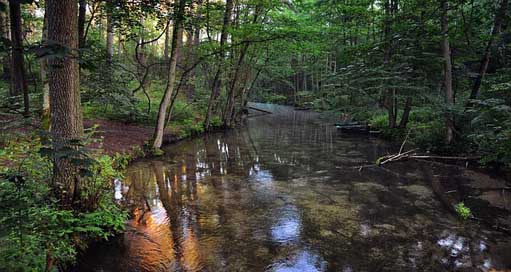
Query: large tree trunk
x=45 y=116
x=81 y=22
x=446 y=54
x=497 y=25
x=217 y=81
x=18 y=77
x=165 y=102
x=5 y=35
x=65 y=108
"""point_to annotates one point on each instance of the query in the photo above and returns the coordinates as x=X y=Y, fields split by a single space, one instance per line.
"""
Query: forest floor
x=119 y=137
x=111 y=136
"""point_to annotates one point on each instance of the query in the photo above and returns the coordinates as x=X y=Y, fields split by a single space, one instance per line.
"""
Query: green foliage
x=491 y=121
x=216 y=122
x=35 y=227
x=463 y=211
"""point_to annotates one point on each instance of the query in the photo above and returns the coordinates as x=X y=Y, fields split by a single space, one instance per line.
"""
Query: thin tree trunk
x=5 y=34
x=227 y=116
x=109 y=35
x=166 y=44
x=119 y=45
x=18 y=60
x=45 y=116
x=229 y=108
x=165 y=102
x=217 y=81
x=388 y=97
x=446 y=54
x=406 y=113
x=65 y=108
x=497 y=25
x=82 y=11
x=194 y=53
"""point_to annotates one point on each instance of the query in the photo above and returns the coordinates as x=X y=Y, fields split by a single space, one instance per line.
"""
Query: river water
x=286 y=193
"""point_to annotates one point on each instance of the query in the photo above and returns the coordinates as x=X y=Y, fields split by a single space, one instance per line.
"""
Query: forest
x=89 y=86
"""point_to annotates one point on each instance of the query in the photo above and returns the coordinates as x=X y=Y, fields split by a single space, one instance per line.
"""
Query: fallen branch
x=391 y=158
x=469 y=158
x=408 y=155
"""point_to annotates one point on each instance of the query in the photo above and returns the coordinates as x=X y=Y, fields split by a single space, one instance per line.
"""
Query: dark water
x=285 y=193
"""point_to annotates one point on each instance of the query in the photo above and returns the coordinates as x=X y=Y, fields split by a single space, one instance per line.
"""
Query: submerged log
x=256 y=109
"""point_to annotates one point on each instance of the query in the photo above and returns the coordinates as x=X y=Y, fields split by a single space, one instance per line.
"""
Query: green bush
x=35 y=227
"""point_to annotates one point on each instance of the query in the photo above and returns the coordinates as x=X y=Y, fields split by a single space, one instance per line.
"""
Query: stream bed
x=286 y=193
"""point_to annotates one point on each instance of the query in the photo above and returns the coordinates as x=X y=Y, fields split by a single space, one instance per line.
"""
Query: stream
x=286 y=193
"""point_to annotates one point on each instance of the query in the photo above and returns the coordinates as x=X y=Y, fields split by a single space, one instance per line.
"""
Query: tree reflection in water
x=285 y=194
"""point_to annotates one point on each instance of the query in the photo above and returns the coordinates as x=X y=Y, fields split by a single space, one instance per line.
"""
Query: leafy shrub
x=379 y=121
x=216 y=121
x=463 y=211
x=35 y=228
x=492 y=130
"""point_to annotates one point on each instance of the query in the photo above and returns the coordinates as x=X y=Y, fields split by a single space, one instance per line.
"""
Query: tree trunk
x=119 y=45
x=446 y=54
x=166 y=44
x=109 y=35
x=406 y=113
x=45 y=116
x=165 y=102
x=217 y=81
x=497 y=25
x=195 y=54
x=81 y=22
x=388 y=94
x=65 y=108
x=17 y=59
x=229 y=107
x=5 y=35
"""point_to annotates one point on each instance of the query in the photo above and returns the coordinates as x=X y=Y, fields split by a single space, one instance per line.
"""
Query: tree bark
x=45 y=116
x=446 y=54
x=406 y=113
x=166 y=44
x=165 y=102
x=5 y=34
x=65 y=108
x=82 y=11
x=17 y=59
x=217 y=81
x=497 y=25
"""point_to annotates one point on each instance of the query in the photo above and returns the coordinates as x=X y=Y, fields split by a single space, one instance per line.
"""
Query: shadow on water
x=285 y=193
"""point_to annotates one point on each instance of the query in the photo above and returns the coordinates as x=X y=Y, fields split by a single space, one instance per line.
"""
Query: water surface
x=286 y=193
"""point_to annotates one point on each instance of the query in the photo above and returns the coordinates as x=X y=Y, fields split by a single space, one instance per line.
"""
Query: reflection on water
x=285 y=194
